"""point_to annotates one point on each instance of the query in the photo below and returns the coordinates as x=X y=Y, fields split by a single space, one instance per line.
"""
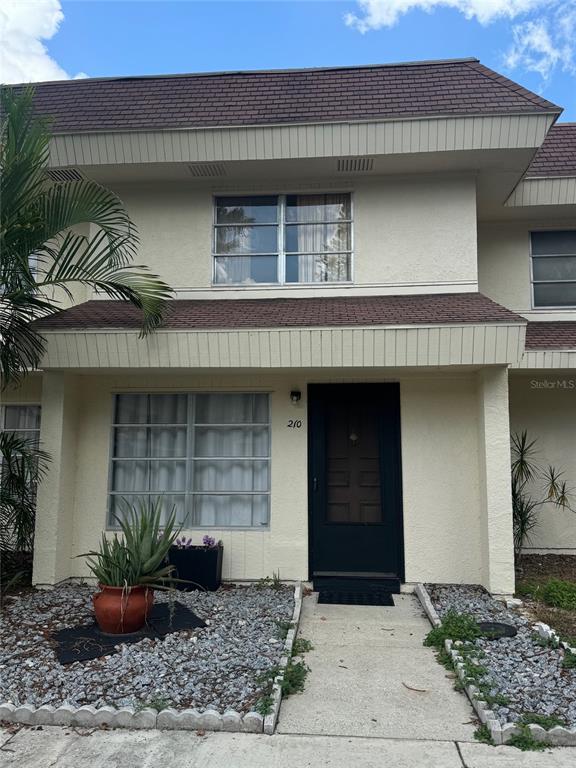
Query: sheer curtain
x=207 y=455
x=322 y=237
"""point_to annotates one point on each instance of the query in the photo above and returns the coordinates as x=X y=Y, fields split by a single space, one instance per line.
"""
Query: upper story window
x=282 y=239
x=554 y=268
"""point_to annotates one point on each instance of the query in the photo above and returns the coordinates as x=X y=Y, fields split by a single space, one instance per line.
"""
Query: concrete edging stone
x=558 y=736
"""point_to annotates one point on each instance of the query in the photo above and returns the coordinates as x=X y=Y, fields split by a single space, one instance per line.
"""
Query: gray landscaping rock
x=523 y=669
x=217 y=668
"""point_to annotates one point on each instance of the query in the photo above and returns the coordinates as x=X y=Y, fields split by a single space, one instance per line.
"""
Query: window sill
x=276 y=286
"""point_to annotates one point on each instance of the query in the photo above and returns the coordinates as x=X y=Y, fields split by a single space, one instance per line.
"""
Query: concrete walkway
x=53 y=747
x=371 y=676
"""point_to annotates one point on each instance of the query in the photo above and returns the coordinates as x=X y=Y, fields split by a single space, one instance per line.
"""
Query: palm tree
x=42 y=257
x=529 y=478
x=42 y=254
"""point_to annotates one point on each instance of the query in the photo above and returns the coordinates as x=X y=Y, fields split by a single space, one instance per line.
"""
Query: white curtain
x=220 y=476
x=321 y=243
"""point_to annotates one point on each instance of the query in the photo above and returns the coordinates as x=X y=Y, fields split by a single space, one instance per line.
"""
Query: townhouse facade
x=375 y=285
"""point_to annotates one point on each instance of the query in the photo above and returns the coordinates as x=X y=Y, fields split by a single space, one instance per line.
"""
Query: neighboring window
x=283 y=239
x=554 y=268
x=206 y=455
x=23 y=420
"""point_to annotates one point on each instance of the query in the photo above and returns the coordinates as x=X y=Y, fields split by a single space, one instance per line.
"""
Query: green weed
x=455 y=626
x=301 y=646
x=482 y=733
x=526 y=742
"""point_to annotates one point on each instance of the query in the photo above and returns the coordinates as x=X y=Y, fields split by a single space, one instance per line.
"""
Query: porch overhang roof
x=226 y=314
x=550 y=345
x=361 y=331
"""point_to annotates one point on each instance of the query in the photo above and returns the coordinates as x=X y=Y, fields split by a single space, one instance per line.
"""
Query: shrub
x=559 y=594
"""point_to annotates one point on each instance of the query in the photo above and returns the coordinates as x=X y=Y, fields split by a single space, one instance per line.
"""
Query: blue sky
x=531 y=41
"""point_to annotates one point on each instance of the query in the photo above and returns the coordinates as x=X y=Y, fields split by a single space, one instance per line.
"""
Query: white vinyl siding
x=205 y=455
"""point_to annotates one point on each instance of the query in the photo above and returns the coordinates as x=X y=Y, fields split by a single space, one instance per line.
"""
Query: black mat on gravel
x=368 y=597
x=88 y=642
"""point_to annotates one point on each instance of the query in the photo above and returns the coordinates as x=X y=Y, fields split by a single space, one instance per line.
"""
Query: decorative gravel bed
x=525 y=670
x=214 y=668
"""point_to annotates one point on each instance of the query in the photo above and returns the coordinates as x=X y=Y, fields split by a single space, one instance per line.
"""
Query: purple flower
x=208 y=541
x=183 y=543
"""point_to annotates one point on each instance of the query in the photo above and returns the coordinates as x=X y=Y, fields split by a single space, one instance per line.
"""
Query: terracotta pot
x=120 y=610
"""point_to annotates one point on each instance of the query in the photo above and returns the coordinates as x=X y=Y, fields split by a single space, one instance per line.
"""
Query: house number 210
x=294 y=424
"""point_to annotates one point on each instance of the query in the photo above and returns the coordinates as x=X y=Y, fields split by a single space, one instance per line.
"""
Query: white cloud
x=375 y=14
x=24 y=24
x=543 y=35
x=546 y=43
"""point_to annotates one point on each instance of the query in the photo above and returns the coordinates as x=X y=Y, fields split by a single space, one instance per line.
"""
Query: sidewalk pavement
x=54 y=747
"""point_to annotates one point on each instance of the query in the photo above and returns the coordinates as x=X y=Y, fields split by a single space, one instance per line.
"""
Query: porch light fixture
x=295 y=395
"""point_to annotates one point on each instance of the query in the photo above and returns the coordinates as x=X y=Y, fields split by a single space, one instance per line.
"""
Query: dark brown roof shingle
x=457 y=87
x=552 y=335
x=557 y=155
x=429 y=309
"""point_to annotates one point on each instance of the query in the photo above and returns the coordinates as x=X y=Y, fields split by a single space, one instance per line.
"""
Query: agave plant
x=137 y=557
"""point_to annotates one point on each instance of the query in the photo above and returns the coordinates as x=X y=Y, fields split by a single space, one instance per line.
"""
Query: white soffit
x=342 y=347
x=558 y=190
x=277 y=142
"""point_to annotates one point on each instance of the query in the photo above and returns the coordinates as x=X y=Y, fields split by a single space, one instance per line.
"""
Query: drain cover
x=494 y=630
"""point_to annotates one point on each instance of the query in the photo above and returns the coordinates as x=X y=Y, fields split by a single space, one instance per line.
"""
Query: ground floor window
x=22 y=420
x=207 y=455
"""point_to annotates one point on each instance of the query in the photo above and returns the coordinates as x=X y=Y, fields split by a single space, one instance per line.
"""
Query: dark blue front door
x=355 y=480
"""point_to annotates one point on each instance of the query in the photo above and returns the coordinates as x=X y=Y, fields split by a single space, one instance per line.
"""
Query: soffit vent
x=355 y=164
x=207 y=170
x=65 y=174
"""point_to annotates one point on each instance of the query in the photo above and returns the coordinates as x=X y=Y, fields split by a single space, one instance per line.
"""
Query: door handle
x=315 y=484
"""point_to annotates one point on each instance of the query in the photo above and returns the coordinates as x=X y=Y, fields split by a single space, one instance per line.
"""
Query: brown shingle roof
x=429 y=309
x=554 y=335
x=456 y=87
x=557 y=155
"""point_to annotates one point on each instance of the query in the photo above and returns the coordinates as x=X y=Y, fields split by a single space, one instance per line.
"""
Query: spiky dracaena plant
x=42 y=253
x=532 y=487
x=138 y=556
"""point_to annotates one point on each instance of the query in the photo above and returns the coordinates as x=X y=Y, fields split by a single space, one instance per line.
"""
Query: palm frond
x=23 y=464
x=43 y=253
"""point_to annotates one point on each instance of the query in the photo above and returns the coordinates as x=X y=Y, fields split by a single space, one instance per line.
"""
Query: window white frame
x=281 y=255
x=26 y=431
x=7 y=406
x=190 y=493
x=533 y=281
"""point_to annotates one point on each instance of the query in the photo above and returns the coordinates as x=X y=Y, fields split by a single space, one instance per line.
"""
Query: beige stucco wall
x=442 y=516
x=544 y=404
x=504 y=264
x=443 y=513
x=29 y=392
x=407 y=230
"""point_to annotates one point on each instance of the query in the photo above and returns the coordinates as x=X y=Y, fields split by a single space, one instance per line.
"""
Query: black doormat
x=341 y=597
x=89 y=642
